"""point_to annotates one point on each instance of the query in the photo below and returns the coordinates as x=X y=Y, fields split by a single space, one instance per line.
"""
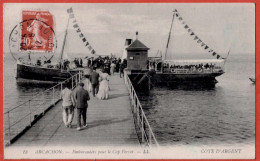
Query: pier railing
x=19 y=118
x=146 y=133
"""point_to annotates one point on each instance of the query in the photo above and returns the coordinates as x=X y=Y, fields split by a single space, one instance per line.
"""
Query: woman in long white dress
x=103 y=86
x=87 y=84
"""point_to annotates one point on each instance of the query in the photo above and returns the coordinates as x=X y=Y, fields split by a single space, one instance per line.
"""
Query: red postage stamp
x=37 y=32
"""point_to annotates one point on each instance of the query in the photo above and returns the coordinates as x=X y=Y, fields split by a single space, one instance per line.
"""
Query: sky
x=106 y=26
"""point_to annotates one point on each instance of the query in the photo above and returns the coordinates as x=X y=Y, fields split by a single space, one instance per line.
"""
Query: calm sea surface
x=183 y=115
x=14 y=93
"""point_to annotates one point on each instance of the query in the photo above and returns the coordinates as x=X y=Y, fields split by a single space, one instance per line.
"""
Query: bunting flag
x=78 y=30
x=81 y=35
x=196 y=38
x=71 y=15
x=93 y=51
x=69 y=10
x=76 y=26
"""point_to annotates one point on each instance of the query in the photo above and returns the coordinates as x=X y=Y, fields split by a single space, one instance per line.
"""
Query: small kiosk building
x=137 y=56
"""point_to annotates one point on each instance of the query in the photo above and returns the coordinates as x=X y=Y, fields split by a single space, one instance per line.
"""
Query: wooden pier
x=110 y=122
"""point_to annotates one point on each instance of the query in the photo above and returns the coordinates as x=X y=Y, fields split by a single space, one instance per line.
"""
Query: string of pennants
x=78 y=30
x=196 y=38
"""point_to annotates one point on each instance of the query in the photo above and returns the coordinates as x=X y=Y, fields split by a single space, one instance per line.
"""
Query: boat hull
x=141 y=79
x=41 y=74
x=169 y=77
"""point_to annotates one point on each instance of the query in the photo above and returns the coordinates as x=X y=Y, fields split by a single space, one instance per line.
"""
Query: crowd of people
x=198 y=67
x=110 y=65
x=96 y=81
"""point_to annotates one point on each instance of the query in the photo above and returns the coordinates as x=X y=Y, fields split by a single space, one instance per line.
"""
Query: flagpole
x=64 y=42
x=169 y=35
x=225 y=59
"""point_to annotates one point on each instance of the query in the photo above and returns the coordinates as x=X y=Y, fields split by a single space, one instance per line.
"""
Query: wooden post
x=149 y=83
x=80 y=76
x=150 y=137
x=138 y=117
x=30 y=113
x=53 y=96
x=9 y=128
x=77 y=79
x=135 y=103
x=72 y=82
x=142 y=127
x=132 y=92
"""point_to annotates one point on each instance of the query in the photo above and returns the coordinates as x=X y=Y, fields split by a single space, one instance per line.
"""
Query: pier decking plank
x=110 y=122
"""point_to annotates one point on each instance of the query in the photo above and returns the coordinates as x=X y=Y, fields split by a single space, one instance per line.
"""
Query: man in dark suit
x=81 y=99
x=94 y=81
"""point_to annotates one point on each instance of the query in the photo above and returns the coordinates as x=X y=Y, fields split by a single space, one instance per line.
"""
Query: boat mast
x=64 y=42
x=169 y=37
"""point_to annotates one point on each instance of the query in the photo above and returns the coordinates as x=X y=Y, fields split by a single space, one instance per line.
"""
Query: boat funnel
x=127 y=43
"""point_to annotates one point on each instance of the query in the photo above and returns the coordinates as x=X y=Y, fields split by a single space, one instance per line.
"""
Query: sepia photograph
x=129 y=80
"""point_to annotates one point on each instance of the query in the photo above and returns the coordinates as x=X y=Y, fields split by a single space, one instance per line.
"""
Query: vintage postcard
x=129 y=80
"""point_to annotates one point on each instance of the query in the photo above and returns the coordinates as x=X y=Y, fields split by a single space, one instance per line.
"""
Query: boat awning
x=195 y=61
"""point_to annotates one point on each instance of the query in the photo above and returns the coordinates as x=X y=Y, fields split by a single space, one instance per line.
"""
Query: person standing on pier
x=82 y=98
x=121 y=69
x=67 y=105
x=112 y=68
x=94 y=81
x=104 y=87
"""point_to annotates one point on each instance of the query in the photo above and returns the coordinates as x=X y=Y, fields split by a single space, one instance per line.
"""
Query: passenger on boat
x=80 y=62
x=20 y=61
x=38 y=62
x=66 y=63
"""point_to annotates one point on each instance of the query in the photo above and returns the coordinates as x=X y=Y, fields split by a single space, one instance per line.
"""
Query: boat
x=252 y=79
x=44 y=71
x=202 y=70
x=42 y=74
